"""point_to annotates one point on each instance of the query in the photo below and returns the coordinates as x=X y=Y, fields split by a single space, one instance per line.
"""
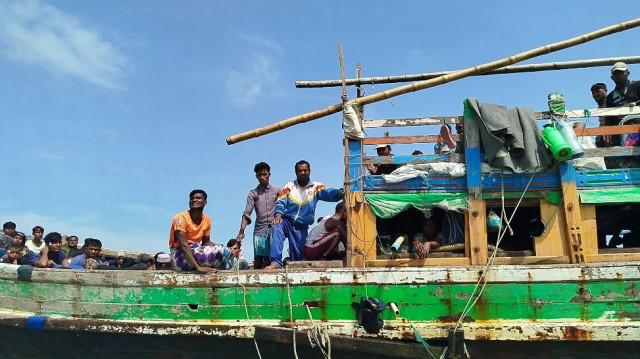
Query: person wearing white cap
x=626 y=92
x=385 y=168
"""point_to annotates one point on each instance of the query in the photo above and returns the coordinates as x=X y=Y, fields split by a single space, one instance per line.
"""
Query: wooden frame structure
x=571 y=233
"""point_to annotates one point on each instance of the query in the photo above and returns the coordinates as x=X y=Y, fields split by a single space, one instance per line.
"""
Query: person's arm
x=332 y=223
x=243 y=224
x=281 y=204
x=64 y=262
x=188 y=255
x=43 y=261
x=329 y=194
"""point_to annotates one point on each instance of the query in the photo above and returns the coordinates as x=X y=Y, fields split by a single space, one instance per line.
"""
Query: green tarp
x=610 y=195
x=390 y=204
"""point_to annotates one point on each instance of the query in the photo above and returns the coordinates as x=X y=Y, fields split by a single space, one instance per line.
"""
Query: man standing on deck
x=263 y=200
x=295 y=211
x=189 y=238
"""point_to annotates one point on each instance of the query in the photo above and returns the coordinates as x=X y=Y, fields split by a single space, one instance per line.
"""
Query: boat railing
x=569 y=203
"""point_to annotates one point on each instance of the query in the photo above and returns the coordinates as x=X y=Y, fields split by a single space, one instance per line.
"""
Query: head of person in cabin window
x=383 y=150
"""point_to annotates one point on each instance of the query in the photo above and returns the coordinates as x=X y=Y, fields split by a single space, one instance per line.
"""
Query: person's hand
x=240 y=237
x=51 y=263
x=422 y=249
x=277 y=219
x=201 y=269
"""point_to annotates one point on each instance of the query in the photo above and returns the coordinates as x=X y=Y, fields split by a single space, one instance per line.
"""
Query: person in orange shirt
x=189 y=238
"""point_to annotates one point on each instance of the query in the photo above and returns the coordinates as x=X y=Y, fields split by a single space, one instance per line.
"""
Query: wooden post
x=477 y=222
x=571 y=209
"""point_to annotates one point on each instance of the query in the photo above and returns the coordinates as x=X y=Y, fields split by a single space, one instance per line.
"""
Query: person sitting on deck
x=235 y=260
x=51 y=256
x=385 y=168
x=36 y=244
x=70 y=246
x=122 y=261
x=295 y=211
x=13 y=254
x=432 y=237
x=162 y=261
x=322 y=241
x=89 y=259
x=6 y=237
x=189 y=238
x=263 y=200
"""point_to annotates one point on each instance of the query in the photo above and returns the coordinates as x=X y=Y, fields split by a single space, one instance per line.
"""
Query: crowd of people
x=55 y=250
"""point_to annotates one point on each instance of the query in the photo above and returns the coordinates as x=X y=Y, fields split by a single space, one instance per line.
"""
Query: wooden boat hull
x=594 y=303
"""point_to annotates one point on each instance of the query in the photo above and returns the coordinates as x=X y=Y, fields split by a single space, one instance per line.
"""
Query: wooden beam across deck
x=542 y=115
x=403 y=139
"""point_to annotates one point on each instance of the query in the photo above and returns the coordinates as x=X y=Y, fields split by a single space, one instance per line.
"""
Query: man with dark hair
x=295 y=211
x=263 y=200
x=189 y=238
x=322 y=241
x=36 y=244
x=51 y=256
x=90 y=259
x=71 y=247
x=599 y=94
x=626 y=92
x=385 y=168
x=6 y=237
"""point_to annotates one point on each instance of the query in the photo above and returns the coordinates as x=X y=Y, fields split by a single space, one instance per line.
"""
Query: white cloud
x=43 y=35
x=259 y=76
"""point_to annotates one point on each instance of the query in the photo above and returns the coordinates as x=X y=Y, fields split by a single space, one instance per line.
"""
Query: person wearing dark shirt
x=51 y=256
x=625 y=92
x=385 y=168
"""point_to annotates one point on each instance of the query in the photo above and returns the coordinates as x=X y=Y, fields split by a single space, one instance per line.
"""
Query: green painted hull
x=564 y=302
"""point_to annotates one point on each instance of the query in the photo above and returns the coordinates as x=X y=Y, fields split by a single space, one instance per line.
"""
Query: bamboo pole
x=421 y=85
x=547 y=66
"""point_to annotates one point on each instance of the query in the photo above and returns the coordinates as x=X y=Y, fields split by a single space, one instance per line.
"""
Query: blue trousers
x=296 y=235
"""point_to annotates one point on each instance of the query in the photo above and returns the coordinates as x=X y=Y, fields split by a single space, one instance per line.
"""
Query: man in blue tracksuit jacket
x=295 y=211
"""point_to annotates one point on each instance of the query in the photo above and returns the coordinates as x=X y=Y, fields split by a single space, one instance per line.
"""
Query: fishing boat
x=556 y=291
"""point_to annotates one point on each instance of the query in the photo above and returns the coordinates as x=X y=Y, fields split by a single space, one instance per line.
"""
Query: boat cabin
x=557 y=213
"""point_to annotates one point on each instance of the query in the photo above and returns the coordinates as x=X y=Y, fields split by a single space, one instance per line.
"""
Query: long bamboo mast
x=421 y=85
x=547 y=66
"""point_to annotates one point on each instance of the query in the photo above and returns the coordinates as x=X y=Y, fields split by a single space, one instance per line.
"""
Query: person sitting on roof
x=90 y=259
x=123 y=261
x=189 y=238
x=51 y=256
x=385 y=168
x=431 y=237
x=322 y=241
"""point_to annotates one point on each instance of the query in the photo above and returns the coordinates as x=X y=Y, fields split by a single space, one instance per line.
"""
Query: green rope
x=422 y=341
x=587 y=113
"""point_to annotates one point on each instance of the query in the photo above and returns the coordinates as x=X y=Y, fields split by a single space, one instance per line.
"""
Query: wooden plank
x=543 y=115
x=589 y=229
x=412 y=121
x=362 y=232
x=315 y=264
x=478 y=231
x=551 y=242
x=416 y=262
x=403 y=139
x=609 y=257
x=572 y=213
x=532 y=260
x=607 y=130
x=455 y=157
x=611 y=151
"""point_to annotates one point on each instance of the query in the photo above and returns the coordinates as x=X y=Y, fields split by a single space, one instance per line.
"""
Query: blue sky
x=112 y=111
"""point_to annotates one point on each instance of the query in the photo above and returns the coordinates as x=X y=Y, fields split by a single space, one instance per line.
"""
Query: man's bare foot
x=272 y=266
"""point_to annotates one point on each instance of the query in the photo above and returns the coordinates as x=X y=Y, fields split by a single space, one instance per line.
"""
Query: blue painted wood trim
x=566 y=171
x=356 y=169
x=431 y=183
x=409 y=159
